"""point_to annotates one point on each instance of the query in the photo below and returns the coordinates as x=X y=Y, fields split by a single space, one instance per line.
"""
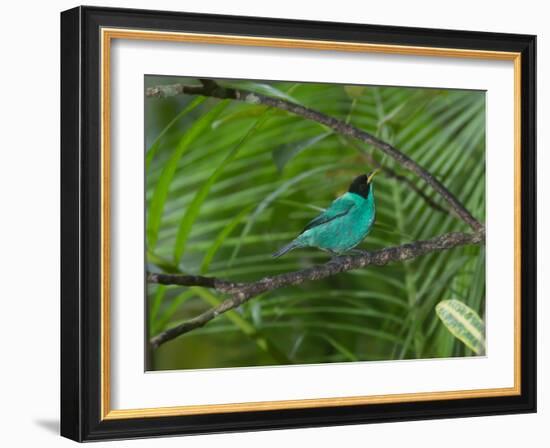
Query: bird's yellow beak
x=371 y=175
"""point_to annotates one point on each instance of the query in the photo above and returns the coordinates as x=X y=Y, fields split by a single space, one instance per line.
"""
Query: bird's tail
x=283 y=250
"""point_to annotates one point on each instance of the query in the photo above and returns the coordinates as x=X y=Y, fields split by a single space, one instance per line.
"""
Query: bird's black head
x=361 y=184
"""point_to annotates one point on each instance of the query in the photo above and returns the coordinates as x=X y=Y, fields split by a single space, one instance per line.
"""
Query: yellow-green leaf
x=463 y=323
x=354 y=92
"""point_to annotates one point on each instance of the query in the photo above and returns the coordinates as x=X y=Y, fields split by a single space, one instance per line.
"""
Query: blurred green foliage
x=227 y=183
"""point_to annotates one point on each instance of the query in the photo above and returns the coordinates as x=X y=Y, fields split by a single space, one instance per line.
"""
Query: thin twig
x=392 y=174
x=242 y=292
x=212 y=89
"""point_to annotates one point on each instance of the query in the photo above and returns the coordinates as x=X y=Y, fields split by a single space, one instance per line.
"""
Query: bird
x=344 y=224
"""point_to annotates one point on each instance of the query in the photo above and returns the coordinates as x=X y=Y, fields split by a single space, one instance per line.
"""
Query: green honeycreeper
x=344 y=224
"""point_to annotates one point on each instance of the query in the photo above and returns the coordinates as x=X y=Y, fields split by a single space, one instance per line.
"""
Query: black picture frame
x=81 y=224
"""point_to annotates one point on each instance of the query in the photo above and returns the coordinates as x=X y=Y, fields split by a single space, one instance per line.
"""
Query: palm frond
x=223 y=211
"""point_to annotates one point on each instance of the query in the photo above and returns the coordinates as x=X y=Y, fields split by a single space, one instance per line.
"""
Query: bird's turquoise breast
x=343 y=234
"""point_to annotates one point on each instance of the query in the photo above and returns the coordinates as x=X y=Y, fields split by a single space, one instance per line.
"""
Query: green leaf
x=155 y=210
x=284 y=153
x=239 y=114
x=194 y=207
x=464 y=323
x=243 y=325
x=344 y=351
x=282 y=189
x=164 y=264
x=176 y=303
x=157 y=301
x=156 y=143
x=300 y=205
x=222 y=236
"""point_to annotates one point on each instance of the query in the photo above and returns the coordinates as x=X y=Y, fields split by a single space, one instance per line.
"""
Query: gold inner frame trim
x=107 y=34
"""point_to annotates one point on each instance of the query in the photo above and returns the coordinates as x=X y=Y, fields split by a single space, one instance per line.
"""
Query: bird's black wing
x=337 y=209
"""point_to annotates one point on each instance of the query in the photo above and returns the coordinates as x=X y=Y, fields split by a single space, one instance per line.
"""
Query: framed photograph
x=274 y=224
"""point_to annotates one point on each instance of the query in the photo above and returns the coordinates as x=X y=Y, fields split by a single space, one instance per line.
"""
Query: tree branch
x=243 y=292
x=212 y=89
x=192 y=280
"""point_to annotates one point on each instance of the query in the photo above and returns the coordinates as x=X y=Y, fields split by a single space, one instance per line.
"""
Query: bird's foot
x=357 y=251
x=335 y=258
